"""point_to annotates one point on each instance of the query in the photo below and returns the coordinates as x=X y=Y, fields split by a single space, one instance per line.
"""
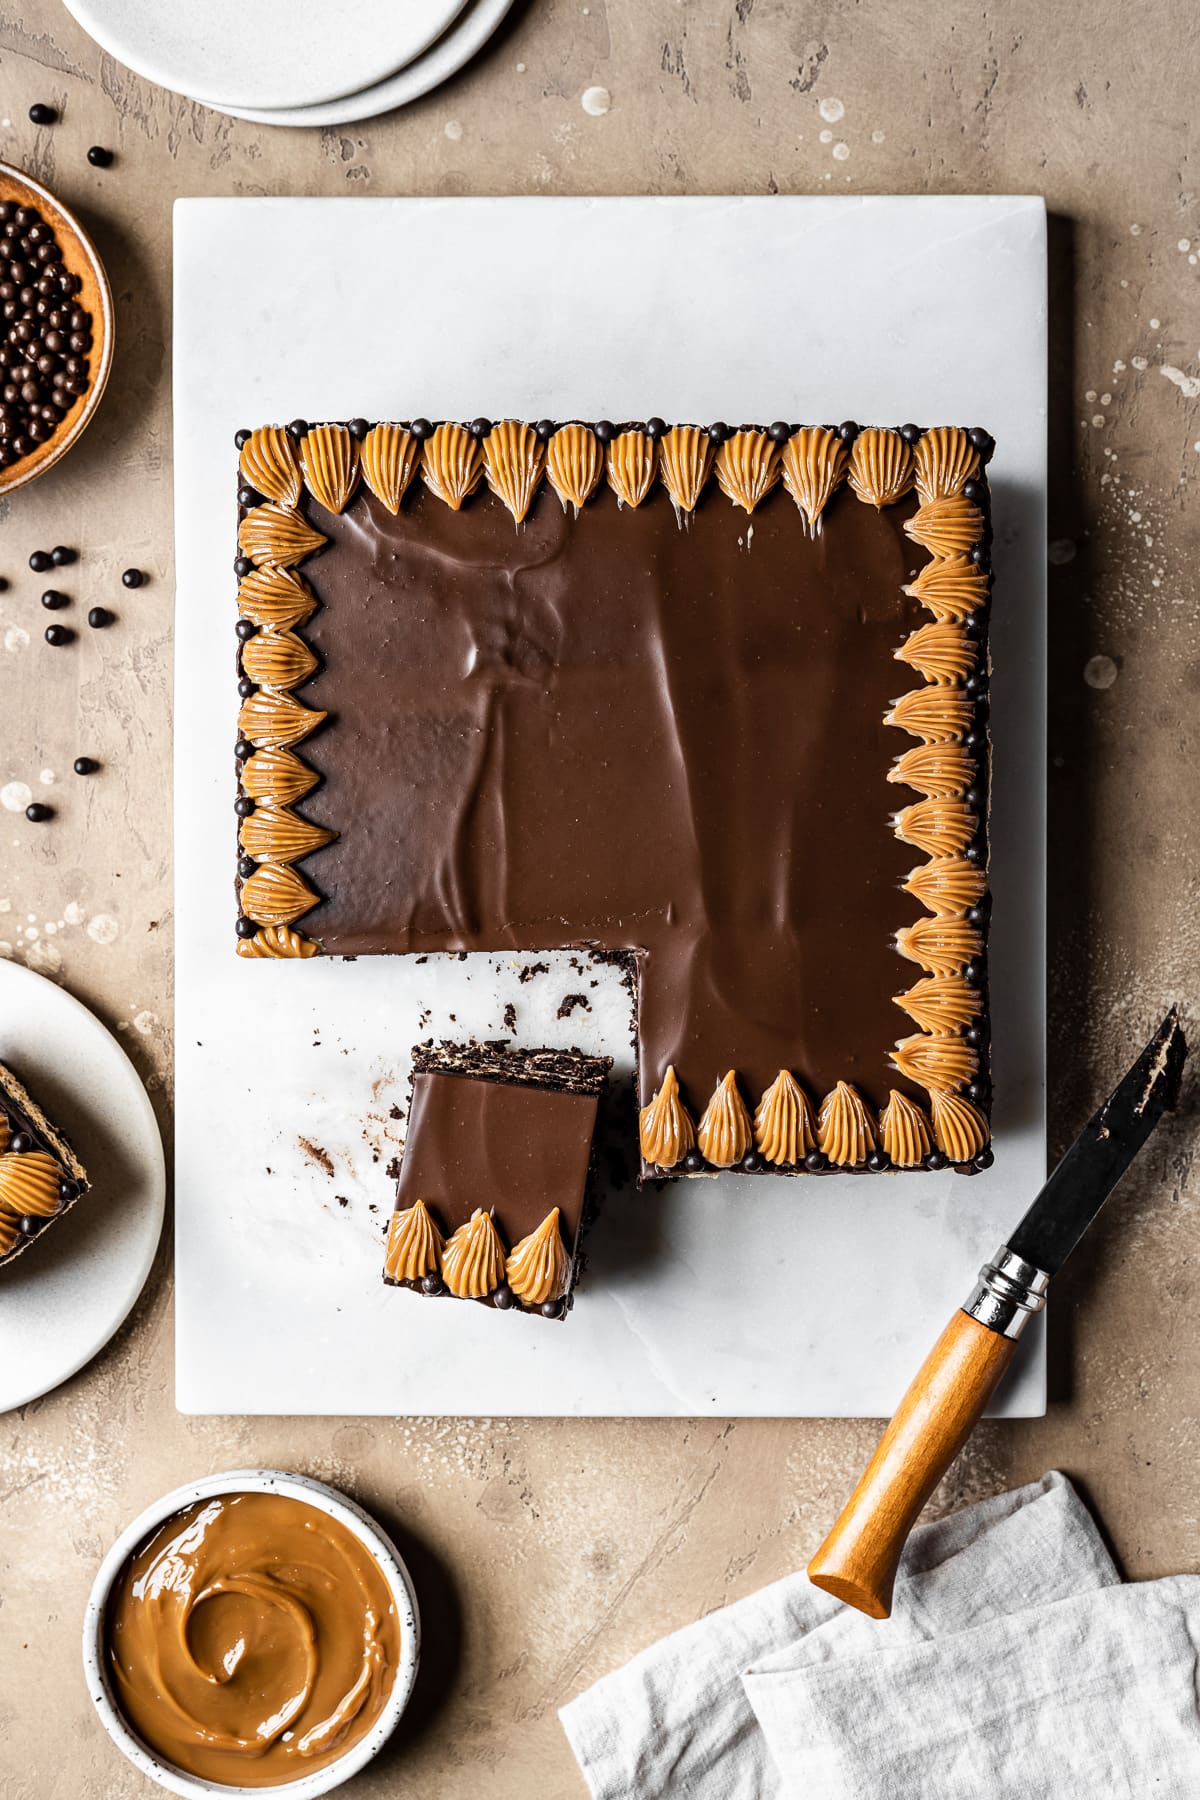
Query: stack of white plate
x=294 y=62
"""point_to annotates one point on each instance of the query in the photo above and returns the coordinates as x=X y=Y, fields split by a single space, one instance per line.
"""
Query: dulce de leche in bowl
x=253 y=1640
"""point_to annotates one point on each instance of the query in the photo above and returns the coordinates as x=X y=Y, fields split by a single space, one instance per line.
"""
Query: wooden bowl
x=94 y=296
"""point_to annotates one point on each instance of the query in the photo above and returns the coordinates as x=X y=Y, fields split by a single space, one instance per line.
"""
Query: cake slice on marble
x=41 y=1177
x=497 y=1181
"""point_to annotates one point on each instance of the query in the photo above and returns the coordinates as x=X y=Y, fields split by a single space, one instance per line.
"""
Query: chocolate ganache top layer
x=652 y=731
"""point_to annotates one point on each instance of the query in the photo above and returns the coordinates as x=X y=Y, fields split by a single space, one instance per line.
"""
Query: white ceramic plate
x=465 y=38
x=65 y=1297
x=268 y=53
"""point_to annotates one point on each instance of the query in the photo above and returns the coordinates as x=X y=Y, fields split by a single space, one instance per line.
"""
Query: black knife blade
x=1102 y=1152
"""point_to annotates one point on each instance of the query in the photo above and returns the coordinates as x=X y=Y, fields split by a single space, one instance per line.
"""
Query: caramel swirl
x=574 y=464
x=944 y=460
x=276 y=834
x=273 y=721
x=936 y=715
x=275 y=598
x=949 y=527
x=272 y=534
x=941 y=652
x=939 y=771
x=473 y=1260
x=512 y=462
x=251 y=1640
x=784 y=1128
x=723 y=1133
x=276 y=895
x=959 y=1129
x=951 y=590
x=944 y=946
x=940 y=1063
x=904 y=1132
x=268 y=463
x=277 y=942
x=684 y=459
x=277 y=775
x=10 y=1233
x=844 y=1129
x=330 y=458
x=939 y=827
x=814 y=464
x=941 y=1003
x=29 y=1184
x=414 y=1245
x=747 y=468
x=277 y=659
x=452 y=464
x=632 y=457
x=665 y=1129
x=880 y=466
x=947 y=884
x=538 y=1268
x=389 y=456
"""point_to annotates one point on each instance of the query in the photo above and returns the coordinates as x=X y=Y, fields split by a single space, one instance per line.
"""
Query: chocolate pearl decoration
x=20 y=1143
x=973 y=490
x=245 y=628
x=480 y=428
x=99 y=617
x=986 y=1158
x=358 y=429
x=718 y=432
x=41 y=114
x=503 y=1297
x=544 y=430
x=655 y=427
x=246 y=687
x=983 y=441
x=58 y=635
x=752 y=1162
x=605 y=430
x=242 y=566
x=243 y=806
x=432 y=1284
x=911 y=434
x=847 y=431
x=421 y=429
x=243 y=750
x=973 y=974
x=779 y=431
x=62 y=557
x=99 y=157
x=246 y=928
x=935 y=1160
x=85 y=765
x=132 y=578
x=878 y=1161
x=814 y=1162
x=40 y=561
x=248 y=496
x=241 y=439
x=246 y=867
x=298 y=429
x=66 y=1190
x=53 y=601
x=29 y=1225
x=43 y=366
x=551 y=1309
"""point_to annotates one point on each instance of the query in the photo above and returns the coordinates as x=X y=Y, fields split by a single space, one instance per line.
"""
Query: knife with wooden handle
x=858 y=1560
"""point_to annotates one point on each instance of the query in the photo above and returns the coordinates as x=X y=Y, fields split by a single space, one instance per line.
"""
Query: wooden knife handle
x=858 y=1560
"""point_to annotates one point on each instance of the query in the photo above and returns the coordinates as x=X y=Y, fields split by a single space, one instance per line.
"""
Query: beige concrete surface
x=549 y=1551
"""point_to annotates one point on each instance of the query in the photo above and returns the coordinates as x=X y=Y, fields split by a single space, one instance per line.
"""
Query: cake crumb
x=316 y=1155
x=570 y=1002
x=510 y=1017
x=531 y=969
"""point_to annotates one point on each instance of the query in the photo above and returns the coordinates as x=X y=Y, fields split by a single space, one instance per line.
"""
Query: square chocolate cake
x=41 y=1177
x=496 y=1184
x=714 y=701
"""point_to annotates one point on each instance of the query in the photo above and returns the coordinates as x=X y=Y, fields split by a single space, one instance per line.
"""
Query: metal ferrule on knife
x=1008 y=1293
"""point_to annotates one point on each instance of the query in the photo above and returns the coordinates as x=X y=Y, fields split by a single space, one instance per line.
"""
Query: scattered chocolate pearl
x=655 y=428
x=40 y=561
x=878 y=1161
x=62 y=557
x=243 y=750
x=243 y=806
x=480 y=427
x=241 y=439
x=246 y=928
x=779 y=432
x=551 y=1309
x=20 y=1142
x=99 y=617
x=986 y=1158
x=298 y=429
x=246 y=867
x=503 y=1297
x=693 y=1162
x=910 y=433
x=421 y=429
x=37 y=812
x=544 y=430
x=53 y=601
x=718 y=432
x=358 y=429
x=85 y=765
x=847 y=431
x=935 y=1160
x=432 y=1284
x=132 y=578
x=58 y=635
x=41 y=114
x=605 y=430
x=99 y=157
x=248 y=496
x=752 y=1162
x=815 y=1161
x=242 y=567
x=29 y=1225
x=245 y=628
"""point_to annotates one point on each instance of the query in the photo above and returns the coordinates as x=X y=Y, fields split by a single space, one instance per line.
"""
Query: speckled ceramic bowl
x=95 y=297
x=312 y=1493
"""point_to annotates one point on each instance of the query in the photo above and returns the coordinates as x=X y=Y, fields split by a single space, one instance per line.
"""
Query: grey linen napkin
x=1057 y=1680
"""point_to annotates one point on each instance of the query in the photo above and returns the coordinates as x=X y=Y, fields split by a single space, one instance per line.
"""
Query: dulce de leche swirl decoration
x=757 y=1052
x=252 y=1640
